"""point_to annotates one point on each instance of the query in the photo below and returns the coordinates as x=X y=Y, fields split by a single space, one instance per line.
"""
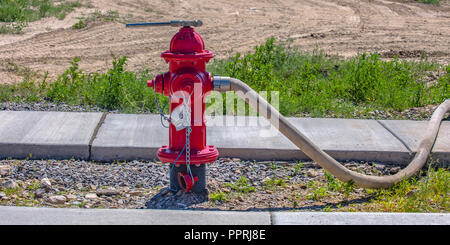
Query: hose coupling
x=221 y=84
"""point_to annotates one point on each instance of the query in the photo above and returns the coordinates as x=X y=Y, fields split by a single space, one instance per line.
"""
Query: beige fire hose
x=321 y=157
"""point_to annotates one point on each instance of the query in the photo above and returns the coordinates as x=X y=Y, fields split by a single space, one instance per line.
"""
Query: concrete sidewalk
x=106 y=137
x=62 y=216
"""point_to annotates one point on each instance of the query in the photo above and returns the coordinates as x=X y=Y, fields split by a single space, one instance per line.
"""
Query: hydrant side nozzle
x=150 y=83
x=186 y=181
x=221 y=84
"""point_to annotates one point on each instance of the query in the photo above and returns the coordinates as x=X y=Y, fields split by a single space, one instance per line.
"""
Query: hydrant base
x=199 y=172
x=209 y=154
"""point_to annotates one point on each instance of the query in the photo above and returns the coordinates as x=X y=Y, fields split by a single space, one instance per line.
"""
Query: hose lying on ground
x=325 y=160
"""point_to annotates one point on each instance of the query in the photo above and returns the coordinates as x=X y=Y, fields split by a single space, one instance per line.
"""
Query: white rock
x=79 y=186
x=71 y=197
x=39 y=192
x=45 y=183
x=57 y=199
x=10 y=184
x=91 y=196
x=5 y=170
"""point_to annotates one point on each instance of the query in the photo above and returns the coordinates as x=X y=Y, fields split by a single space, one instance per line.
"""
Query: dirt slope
x=343 y=27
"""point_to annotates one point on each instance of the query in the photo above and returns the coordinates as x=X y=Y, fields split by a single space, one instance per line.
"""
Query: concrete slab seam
x=94 y=134
x=396 y=136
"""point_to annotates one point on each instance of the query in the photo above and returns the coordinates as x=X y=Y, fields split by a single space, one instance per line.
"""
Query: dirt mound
x=343 y=27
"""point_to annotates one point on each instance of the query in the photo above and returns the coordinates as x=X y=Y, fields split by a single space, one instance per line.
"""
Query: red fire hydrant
x=186 y=83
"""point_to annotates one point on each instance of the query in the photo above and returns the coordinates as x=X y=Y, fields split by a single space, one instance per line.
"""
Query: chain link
x=188 y=151
x=188 y=145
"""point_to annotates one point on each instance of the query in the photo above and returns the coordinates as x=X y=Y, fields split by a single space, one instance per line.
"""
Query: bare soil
x=343 y=27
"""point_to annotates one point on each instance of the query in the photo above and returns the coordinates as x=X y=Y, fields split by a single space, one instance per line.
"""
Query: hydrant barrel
x=186 y=83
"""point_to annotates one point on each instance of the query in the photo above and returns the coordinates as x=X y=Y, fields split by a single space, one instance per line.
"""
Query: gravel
x=139 y=184
x=47 y=106
x=418 y=113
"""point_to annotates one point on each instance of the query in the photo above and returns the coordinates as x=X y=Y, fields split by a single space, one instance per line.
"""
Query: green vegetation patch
x=436 y=2
x=108 y=16
x=17 y=13
x=426 y=194
x=311 y=83
x=32 y=10
x=116 y=89
x=322 y=85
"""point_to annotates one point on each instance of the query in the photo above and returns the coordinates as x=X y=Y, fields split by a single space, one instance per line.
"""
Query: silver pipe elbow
x=221 y=84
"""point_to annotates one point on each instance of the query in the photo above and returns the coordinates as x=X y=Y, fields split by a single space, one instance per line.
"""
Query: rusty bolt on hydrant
x=186 y=84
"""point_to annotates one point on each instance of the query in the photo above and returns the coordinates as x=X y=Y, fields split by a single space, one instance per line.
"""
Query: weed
x=14 y=28
x=218 y=196
x=318 y=191
x=427 y=194
x=298 y=168
x=327 y=209
x=35 y=184
x=274 y=182
x=273 y=166
x=241 y=186
x=335 y=185
x=79 y=25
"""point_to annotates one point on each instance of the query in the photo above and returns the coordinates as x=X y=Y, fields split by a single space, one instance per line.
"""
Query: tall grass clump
x=436 y=2
x=426 y=194
x=19 y=12
x=32 y=10
x=117 y=89
x=319 y=84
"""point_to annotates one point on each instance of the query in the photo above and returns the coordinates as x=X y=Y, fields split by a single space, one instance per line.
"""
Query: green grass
x=335 y=185
x=32 y=10
x=241 y=186
x=109 y=16
x=116 y=89
x=312 y=83
x=298 y=168
x=428 y=193
x=274 y=182
x=218 y=196
x=321 y=85
x=429 y=1
x=80 y=24
x=318 y=191
x=21 y=12
x=14 y=28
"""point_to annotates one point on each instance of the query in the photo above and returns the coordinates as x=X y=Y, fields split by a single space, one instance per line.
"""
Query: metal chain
x=188 y=150
x=188 y=145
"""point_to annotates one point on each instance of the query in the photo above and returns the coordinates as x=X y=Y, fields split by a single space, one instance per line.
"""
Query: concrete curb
x=108 y=137
x=354 y=218
x=39 y=135
x=130 y=137
x=61 y=216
